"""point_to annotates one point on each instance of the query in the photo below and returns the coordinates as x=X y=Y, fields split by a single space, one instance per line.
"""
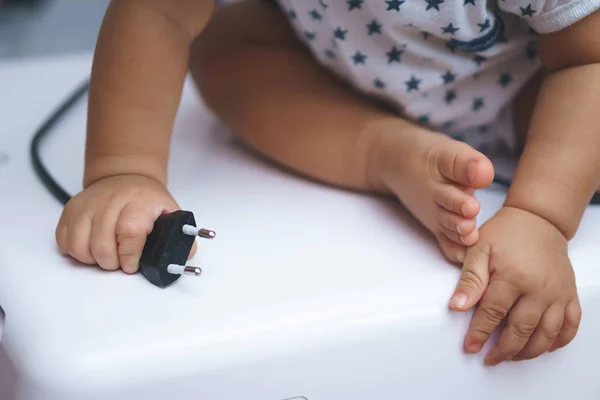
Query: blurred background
x=38 y=28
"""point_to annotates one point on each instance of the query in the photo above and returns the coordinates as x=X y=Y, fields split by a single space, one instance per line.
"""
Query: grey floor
x=38 y=28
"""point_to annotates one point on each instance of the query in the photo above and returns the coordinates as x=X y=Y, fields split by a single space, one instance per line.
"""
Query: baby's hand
x=519 y=269
x=108 y=222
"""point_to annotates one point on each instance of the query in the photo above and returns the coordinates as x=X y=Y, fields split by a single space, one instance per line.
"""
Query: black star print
x=478 y=103
x=330 y=54
x=433 y=4
x=424 y=119
x=484 y=26
x=352 y=4
x=446 y=126
x=412 y=84
x=292 y=14
x=472 y=2
x=374 y=27
x=340 y=33
x=505 y=79
x=532 y=51
x=483 y=129
x=451 y=45
x=450 y=96
x=459 y=138
x=394 y=5
x=479 y=60
x=378 y=84
x=425 y=35
x=449 y=77
x=315 y=15
x=310 y=35
x=359 y=58
x=323 y=4
x=394 y=55
x=476 y=75
x=527 y=11
x=450 y=29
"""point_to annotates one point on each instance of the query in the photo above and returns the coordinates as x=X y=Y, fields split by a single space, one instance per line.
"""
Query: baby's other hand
x=108 y=222
x=518 y=270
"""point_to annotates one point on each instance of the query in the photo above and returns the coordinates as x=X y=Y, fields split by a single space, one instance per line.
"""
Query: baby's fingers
x=62 y=235
x=132 y=229
x=78 y=239
x=495 y=304
x=570 y=325
x=545 y=334
x=102 y=242
x=522 y=322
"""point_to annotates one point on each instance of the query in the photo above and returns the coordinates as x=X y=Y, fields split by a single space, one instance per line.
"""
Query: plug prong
x=193 y=270
x=194 y=231
x=181 y=269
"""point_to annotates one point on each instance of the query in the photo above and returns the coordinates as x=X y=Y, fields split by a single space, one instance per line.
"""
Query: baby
x=395 y=97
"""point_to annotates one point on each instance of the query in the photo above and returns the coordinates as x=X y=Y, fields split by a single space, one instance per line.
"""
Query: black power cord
x=47 y=180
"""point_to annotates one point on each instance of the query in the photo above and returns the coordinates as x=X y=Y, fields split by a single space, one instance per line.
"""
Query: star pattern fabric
x=452 y=65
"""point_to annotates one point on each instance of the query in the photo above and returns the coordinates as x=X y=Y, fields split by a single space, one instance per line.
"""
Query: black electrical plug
x=168 y=247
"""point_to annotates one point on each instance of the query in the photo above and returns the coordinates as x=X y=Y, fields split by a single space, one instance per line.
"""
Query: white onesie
x=452 y=65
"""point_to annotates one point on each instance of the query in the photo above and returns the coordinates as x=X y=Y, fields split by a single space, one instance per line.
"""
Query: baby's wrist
x=376 y=164
x=98 y=168
x=540 y=214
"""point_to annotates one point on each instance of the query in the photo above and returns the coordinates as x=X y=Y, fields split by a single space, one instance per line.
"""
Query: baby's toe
x=455 y=223
x=460 y=163
x=466 y=240
x=456 y=200
x=451 y=250
x=471 y=238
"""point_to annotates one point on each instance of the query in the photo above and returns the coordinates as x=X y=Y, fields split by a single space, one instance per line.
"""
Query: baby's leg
x=262 y=82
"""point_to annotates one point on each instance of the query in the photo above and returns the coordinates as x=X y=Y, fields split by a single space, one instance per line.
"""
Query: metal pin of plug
x=181 y=269
x=194 y=231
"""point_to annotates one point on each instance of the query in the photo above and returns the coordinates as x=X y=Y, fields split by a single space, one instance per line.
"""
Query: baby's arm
x=138 y=72
x=139 y=67
x=519 y=270
x=560 y=166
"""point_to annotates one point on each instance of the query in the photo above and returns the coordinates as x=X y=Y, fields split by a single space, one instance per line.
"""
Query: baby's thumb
x=473 y=279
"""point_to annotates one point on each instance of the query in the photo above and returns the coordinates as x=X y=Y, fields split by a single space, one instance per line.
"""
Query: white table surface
x=306 y=291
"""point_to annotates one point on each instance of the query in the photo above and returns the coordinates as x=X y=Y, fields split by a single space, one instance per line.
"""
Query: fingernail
x=474 y=347
x=459 y=230
x=459 y=300
x=471 y=170
x=492 y=358
x=129 y=269
x=464 y=209
x=492 y=361
x=460 y=256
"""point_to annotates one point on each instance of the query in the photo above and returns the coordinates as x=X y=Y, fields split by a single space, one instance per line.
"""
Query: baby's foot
x=435 y=177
